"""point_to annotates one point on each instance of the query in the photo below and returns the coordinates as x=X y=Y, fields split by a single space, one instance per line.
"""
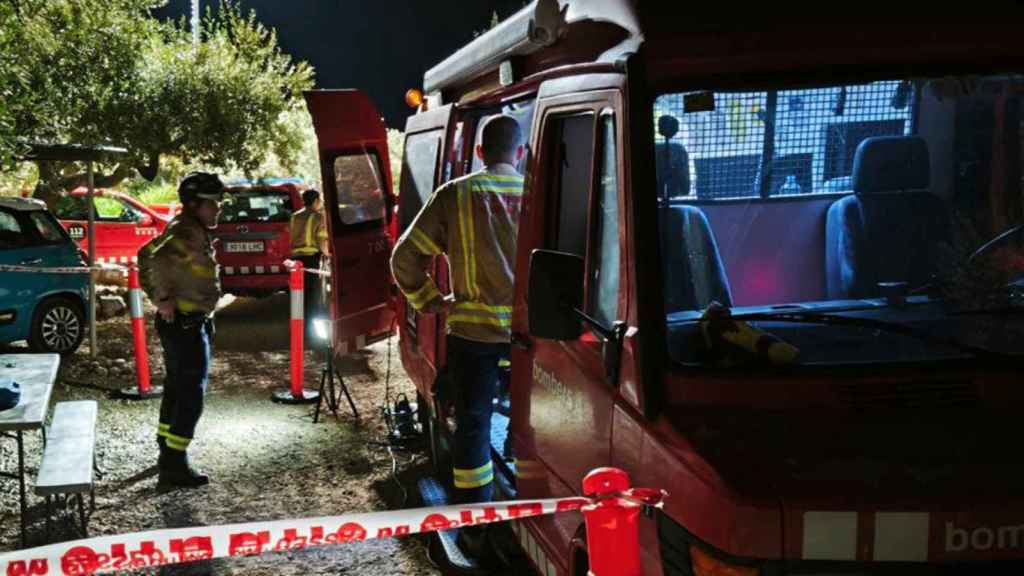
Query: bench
x=69 y=459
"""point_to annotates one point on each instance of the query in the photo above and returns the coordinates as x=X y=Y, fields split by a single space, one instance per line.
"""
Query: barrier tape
x=109 y=554
x=62 y=270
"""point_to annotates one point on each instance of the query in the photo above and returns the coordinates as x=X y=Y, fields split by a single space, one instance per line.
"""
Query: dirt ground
x=267 y=461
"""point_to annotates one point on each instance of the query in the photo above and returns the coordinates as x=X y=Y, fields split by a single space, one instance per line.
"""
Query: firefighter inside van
x=473 y=221
x=870 y=222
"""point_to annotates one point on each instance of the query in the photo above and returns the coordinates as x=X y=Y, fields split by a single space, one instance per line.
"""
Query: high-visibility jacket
x=474 y=221
x=307 y=231
x=181 y=265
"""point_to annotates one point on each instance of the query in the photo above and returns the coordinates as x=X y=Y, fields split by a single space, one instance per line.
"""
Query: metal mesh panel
x=811 y=135
x=717 y=151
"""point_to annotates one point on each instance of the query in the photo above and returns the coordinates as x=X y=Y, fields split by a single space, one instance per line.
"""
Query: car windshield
x=256 y=205
x=898 y=201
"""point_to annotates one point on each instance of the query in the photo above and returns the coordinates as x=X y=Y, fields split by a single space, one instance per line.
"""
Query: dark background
x=380 y=46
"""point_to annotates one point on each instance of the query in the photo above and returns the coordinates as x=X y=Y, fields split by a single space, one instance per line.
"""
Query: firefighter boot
x=179 y=473
x=162 y=459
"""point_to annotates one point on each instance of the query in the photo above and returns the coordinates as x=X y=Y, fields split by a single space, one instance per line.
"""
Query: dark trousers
x=186 y=343
x=312 y=303
x=473 y=368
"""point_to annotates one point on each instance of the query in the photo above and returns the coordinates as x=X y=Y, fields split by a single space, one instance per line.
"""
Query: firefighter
x=474 y=221
x=178 y=270
x=309 y=243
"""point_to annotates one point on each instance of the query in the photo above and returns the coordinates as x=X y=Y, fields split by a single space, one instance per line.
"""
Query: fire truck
x=854 y=193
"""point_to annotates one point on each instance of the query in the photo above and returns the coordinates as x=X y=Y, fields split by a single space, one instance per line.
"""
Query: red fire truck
x=853 y=192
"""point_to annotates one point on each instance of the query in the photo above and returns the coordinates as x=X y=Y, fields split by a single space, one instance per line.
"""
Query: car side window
x=70 y=207
x=48 y=228
x=11 y=233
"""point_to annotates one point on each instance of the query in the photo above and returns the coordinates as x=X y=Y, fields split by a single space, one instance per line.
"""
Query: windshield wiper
x=880 y=325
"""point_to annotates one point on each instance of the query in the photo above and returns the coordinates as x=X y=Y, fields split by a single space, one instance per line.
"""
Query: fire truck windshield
x=826 y=215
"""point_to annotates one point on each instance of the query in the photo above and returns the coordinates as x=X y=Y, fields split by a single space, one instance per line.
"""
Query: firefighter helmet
x=200 y=186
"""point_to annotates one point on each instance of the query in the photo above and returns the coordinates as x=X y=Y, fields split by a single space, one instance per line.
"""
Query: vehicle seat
x=694 y=273
x=888 y=229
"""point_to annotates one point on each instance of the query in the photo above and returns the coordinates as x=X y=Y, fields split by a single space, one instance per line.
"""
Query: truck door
x=421 y=175
x=562 y=400
x=358 y=204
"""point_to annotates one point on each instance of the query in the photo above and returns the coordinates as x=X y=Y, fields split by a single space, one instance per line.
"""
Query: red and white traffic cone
x=613 y=521
x=142 y=390
x=297 y=394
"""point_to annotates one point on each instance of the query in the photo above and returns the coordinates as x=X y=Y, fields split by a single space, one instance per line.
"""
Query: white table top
x=36 y=373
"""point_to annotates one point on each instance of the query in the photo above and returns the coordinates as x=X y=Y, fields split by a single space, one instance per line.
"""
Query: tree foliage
x=105 y=72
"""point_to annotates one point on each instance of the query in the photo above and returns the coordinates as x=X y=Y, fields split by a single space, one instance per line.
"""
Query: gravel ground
x=267 y=461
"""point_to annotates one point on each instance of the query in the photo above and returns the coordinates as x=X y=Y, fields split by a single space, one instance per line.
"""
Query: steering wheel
x=996 y=242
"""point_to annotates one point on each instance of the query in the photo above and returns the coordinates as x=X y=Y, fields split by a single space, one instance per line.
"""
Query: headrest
x=891 y=164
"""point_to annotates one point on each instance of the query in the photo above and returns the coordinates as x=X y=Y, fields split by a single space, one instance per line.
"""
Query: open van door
x=358 y=204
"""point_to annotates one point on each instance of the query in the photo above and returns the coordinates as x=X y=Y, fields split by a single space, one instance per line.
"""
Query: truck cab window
x=523 y=113
x=418 y=170
x=604 y=257
x=574 y=138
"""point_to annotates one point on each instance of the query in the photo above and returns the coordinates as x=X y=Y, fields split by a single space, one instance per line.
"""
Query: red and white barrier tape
x=109 y=554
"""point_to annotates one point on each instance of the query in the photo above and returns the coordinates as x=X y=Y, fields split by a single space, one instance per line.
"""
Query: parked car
x=253 y=234
x=46 y=309
x=123 y=224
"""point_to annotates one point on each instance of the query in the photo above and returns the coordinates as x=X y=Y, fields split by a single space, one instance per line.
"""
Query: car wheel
x=58 y=326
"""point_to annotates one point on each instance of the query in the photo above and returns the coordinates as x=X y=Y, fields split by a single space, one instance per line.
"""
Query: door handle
x=32 y=262
x=520 y=341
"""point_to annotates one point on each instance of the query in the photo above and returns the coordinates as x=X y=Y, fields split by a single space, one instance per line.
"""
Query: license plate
x=244 y=247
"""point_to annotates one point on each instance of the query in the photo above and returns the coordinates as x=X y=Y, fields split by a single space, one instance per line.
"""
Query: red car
x=123 y=224
x=253 y=234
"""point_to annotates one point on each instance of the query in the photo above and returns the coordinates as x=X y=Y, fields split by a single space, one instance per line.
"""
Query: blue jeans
x=186 y=343
x=473 y=369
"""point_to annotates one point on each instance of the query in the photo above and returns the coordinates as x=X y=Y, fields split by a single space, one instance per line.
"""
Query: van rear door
x=358 y=204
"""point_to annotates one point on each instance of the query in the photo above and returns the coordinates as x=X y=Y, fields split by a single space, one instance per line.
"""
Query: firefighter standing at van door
x=178 y=271
x=474 y=221
x=309 y=244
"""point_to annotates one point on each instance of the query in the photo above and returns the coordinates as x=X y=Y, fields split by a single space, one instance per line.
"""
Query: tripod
x=327 y=389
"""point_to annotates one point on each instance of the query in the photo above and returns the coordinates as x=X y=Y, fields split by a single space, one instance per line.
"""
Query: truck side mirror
x=555 y=294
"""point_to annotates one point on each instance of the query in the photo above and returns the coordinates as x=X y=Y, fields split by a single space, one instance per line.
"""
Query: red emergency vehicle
x=854 y=191
x=123 y=224
x=253 y=234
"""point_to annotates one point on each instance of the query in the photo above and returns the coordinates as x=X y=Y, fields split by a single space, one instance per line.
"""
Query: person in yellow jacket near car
x=308 y=233
x=474 y=221
x=178 y=270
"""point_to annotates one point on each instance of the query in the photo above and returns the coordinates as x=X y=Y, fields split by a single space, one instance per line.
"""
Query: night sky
x=380 y=46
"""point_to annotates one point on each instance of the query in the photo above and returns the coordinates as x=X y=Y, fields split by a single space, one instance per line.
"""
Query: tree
x=106 y=72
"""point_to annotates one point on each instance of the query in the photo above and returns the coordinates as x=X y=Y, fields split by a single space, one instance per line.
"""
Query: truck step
x=435 y=494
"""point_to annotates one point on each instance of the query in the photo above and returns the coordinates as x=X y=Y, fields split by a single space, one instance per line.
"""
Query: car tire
x=58 y=326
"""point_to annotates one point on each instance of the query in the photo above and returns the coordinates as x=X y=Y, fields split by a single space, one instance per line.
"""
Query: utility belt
x=191 y=321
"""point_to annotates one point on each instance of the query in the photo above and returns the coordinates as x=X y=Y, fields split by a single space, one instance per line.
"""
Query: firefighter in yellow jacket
x=308 y=233
x=178 y=271
x=474 y=221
